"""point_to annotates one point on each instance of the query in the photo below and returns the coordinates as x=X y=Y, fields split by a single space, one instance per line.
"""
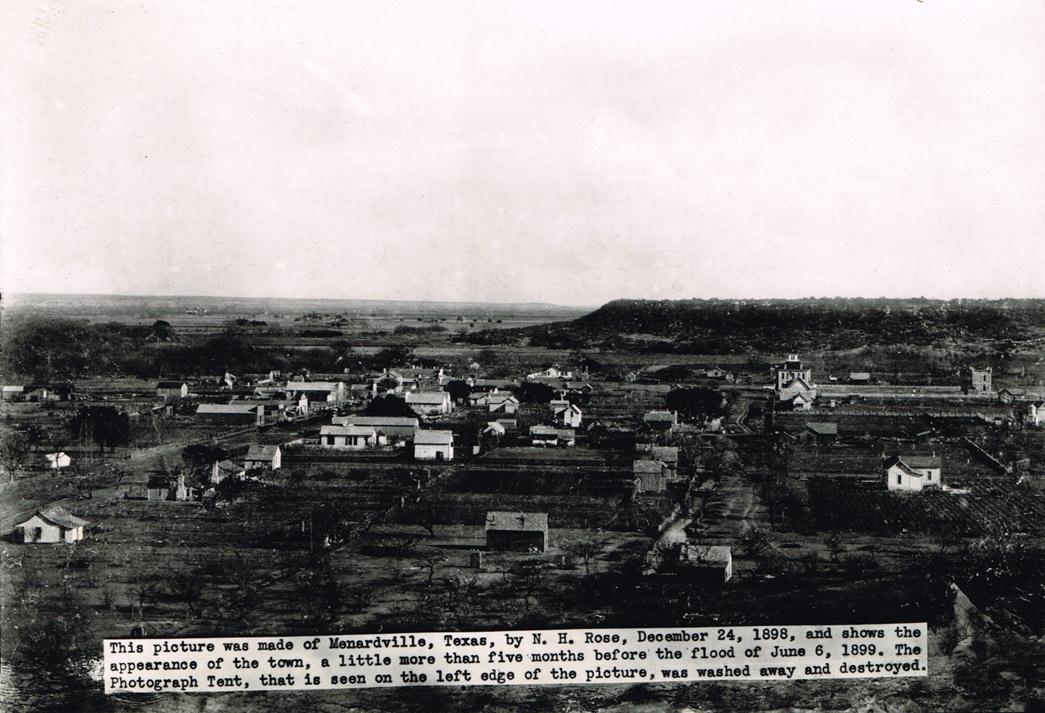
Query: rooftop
x=518 y=521
x=434 y=438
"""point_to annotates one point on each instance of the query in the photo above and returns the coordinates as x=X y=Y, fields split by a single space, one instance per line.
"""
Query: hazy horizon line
x=421 y=300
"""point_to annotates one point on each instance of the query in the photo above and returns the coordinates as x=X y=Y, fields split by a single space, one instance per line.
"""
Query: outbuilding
x=517 y=531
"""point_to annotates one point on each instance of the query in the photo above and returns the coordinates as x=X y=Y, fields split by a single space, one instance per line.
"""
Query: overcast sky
x=561 y=152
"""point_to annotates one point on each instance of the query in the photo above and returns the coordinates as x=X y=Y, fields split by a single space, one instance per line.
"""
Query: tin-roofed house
x=349 y=437
x=433 y=445
x=707 y=563
x=261 y=457
x=224 y=469
x=429 y=403
x=236 y=413
x=660 y=420
x=50 y=525
x=819 y=433
x=651 y=476
x=319 y=392
x=172 y=390
x=912 y=473
x=517 y=531
x=394 y=429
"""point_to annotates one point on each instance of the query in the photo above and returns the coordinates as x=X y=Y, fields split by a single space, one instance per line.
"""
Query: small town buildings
x=503 y=404
x=794 y=384
x=494 y=429
x=978 y=381
x=237 y=413
x=393 y=428
x=660 y=420
x=552 y=372
x=819 y=432
x=12 y=392
x=651 y=476
x=429 y=403
x=319 y=392
x=790 y=370
x=50 y=525
x=912 y=473
x=666 y=455
x=350 y=437
x=715 y=372
x=1036 y=413
x=260 y=457
x=710 y=563
x=517 y=531
x=59 y=460
x=224 y=469
x=182 y=491
x=548 y=436
x=172 y=390
x=433 y=445
x=566 y=414
x=859 y=377
x=544 y=436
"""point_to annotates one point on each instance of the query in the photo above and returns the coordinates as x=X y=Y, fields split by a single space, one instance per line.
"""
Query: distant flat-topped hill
x=767 y=326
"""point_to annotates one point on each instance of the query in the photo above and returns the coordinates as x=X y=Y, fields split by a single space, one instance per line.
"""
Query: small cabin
x=50 y=525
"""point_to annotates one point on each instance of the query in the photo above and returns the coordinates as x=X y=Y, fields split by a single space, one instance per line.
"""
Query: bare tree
x=585 y=550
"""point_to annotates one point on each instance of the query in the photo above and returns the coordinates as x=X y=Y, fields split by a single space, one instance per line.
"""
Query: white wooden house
x=434 y=445
x=50 y=525
x=912 y=473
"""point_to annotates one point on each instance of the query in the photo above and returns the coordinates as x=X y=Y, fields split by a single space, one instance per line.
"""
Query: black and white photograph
x=573 y=357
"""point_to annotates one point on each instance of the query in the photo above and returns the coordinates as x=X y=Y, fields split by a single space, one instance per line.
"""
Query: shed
x=517 y=531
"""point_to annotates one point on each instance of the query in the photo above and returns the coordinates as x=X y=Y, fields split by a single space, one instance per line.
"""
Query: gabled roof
x=822 y=428
x=227 y=466
x=859 y=376
x=517 y=521
x=909 y=463
x=259 y=452
x=170 y=384
x=798 y=380
x=57 y=515
x=434 y=438
x=540 y=430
